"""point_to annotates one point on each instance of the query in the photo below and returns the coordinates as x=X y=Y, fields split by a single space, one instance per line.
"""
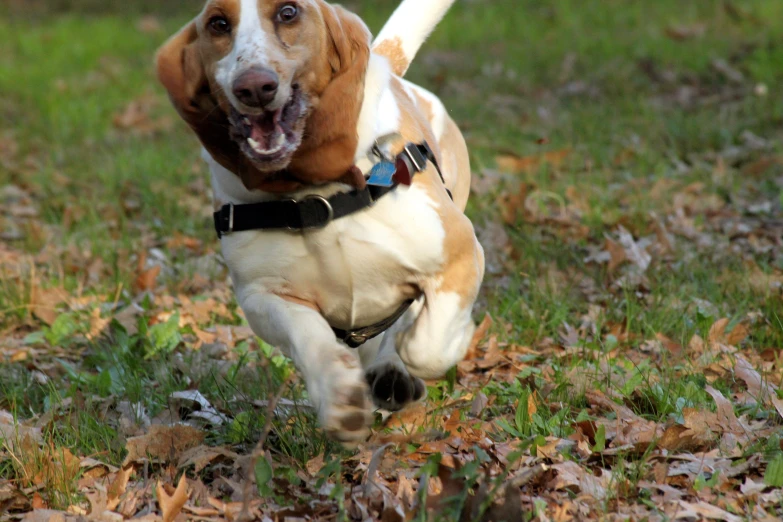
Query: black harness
x=314 y=212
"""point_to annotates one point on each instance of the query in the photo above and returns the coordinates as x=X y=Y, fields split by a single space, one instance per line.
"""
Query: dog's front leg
x=332 y=372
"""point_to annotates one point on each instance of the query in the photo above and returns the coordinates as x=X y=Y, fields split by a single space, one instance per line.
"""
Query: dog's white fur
x=357 y=267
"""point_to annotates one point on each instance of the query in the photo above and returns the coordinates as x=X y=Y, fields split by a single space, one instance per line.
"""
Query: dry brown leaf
x=44 y=303
x=673 y=438
x=696 y=432
x=616 y=254
x=681 y=33
x=97 y=324
x=136 y=117
x=182 y=241
x=573 y=477
x=675 y=349
x=704 y=510
x=201 y=456
x=149 y=24
x=117 y=487
x=315 y=464
x=13 y=433
x=763 y=391
x=409 y=418
x=725 y=414
x=478 y=336
x=145 y=280
x=531 y=164
x=737 y=335
x=717 y=331
x=532 y=408
x=46 y=515
x=38 y=501
x=165 y=443
x=171 y=503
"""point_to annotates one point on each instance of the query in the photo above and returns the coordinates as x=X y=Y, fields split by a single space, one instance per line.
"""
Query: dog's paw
x=345 y=411
x=393 y=387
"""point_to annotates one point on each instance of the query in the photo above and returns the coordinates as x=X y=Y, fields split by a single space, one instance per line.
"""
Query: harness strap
x=314 y=211
x=358 y=336
x=310 y=212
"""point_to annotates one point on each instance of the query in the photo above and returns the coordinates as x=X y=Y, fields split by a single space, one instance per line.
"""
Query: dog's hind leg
x=442 y=330
x=332 y=371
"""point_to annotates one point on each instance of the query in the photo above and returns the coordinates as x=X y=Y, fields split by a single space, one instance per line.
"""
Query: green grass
x=639 y=117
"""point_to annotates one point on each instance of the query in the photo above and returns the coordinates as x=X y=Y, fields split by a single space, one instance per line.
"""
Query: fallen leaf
x=573 y=477
x=136 y=117
x=149 y=24
x=145 y=280
x=200 y=456
x=171 y=504
x=117 y=487
x=681 y=33
x=165 y=443
x=704 y=510
x=725 y=413
x=12 y=433
x=763 y=391
x=409 y=418
x=478 y=336
x=531 y=164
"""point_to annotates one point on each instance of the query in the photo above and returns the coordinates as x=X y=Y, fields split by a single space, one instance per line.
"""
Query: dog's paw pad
x=393 y=387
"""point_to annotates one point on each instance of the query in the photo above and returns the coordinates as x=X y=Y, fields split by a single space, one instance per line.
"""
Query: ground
x=628 y=190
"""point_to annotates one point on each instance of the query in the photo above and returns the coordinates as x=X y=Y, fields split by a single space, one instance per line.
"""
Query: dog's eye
x=287 y=13
x=219 y=25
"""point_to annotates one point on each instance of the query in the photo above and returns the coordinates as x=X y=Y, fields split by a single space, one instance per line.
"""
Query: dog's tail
x=406 y=30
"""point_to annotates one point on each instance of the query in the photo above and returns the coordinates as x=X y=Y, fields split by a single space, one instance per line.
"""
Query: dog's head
x=271 y=86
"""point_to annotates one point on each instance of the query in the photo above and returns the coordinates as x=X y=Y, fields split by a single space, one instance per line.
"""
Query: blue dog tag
x=381 y=174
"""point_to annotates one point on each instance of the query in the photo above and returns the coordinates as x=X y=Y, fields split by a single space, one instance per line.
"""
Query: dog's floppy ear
x=327 y=152
x=181 y=70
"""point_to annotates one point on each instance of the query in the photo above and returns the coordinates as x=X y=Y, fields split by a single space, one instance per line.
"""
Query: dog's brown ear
x=327 y=152
x=181 y=71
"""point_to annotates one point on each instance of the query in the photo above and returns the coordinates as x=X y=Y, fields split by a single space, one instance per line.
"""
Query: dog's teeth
x=278 y=144
x=246 y=120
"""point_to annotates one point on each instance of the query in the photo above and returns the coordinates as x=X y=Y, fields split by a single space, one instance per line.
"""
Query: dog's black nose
x=256 y=87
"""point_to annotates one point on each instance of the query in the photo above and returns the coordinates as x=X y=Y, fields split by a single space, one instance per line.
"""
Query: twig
x=258 y=451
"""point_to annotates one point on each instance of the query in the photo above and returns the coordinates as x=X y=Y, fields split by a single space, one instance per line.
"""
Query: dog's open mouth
x=270 y=138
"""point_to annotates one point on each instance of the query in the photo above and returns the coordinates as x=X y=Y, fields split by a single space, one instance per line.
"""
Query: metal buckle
x=356 y=339
x=326 y=204
x=418 y=159
x=230 y=228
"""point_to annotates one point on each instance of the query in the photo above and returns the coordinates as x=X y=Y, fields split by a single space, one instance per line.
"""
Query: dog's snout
x=256 y=87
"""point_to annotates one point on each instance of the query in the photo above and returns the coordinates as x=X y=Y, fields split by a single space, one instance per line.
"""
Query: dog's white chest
x=356 y=270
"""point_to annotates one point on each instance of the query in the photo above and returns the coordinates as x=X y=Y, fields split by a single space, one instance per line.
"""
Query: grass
x=611 y=120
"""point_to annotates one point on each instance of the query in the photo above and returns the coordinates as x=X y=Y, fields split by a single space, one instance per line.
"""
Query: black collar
x=315 y=211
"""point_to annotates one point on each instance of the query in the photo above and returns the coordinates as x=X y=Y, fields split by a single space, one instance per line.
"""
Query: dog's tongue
x=266 y=129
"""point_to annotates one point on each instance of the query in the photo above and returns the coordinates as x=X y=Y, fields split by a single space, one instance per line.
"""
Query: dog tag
x=381 y=174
